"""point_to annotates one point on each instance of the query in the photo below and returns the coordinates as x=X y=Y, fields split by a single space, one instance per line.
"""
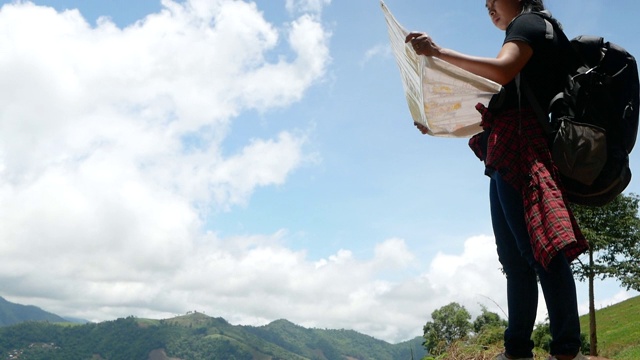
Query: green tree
x=488 y=328
x=487 y=319
x=613 y=232
x=450 y=322
x=541 y=336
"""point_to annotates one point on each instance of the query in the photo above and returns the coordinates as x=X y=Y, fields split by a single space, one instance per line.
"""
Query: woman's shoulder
x=528 y=26
x=529 y=19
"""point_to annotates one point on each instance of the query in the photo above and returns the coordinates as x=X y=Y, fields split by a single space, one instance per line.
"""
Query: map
x=441 y=96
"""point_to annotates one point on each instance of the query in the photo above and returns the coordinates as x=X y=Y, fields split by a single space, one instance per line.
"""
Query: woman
x=536 y=234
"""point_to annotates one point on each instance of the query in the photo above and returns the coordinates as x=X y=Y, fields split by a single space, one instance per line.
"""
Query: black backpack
x=593 y=122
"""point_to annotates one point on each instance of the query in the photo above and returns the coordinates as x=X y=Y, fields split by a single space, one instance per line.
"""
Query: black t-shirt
x=544 y=72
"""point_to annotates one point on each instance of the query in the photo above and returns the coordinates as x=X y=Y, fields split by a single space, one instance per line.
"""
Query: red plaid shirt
x=518 y=149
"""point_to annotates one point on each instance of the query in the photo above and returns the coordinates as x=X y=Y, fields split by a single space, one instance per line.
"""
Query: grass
x=463 y=351
x=618 y=328
x=630 y=353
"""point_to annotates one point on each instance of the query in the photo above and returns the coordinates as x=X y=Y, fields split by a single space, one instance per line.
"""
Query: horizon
x=197 y=312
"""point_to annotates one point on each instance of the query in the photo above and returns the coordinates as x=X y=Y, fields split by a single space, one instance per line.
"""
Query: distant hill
x=37 y=334
x=195 y=336
x=31 y=333
x=11 y=313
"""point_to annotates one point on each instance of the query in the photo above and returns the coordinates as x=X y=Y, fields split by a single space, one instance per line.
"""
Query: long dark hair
x=532 y=5
x=536 y=5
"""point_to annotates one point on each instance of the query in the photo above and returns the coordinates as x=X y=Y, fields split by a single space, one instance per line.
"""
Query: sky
x=251 y=160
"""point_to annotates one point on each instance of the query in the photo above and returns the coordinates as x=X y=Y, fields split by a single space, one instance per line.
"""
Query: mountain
x=11 y=313
x=335 y=344
x=195 y=336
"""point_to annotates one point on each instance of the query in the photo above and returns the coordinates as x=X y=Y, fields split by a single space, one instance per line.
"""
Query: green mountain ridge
x=188 y=337
x=194 y=336
x=197 y=336
x=11 y=313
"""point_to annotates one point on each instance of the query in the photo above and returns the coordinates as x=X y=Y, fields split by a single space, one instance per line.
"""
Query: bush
x=542 y=336
x=490 y=335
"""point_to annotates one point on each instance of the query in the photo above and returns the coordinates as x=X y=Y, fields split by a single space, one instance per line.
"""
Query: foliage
x=450 y=323
x=197 y=336
x=490 y=335
x=619 y=331
x=487 y=319
x=541 y=336
x=194 y=336
x=461 y=350
x=118 y=339
x=613 y=232
x=451 y=327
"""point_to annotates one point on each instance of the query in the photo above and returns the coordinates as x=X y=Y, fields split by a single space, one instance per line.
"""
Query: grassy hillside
x=618 y=329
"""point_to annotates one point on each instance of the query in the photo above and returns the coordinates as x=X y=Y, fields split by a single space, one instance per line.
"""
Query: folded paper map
x=441 y=96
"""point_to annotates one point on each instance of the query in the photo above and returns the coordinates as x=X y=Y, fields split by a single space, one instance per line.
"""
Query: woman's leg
x=559 y=291
x=522 y=286
x=557 y=281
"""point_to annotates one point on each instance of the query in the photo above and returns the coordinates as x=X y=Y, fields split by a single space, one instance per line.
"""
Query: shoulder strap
x=549 y=22
x=546 y=15
x=552 y=27
x=543 y=116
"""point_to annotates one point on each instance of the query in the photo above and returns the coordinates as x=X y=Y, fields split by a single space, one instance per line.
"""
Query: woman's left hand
x=423 y=129
x=423 y=44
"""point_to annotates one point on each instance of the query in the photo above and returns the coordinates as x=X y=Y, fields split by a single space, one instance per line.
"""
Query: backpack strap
x=523 y=86
x=549 y=26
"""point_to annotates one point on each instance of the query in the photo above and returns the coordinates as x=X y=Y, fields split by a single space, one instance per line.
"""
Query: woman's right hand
x=423 y=44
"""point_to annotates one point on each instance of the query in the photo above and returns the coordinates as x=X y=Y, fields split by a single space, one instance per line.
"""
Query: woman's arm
x=502 y=69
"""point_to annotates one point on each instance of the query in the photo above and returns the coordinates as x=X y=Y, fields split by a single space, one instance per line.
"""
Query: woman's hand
x=512 y=58
x=423 y=129
x=423 y=44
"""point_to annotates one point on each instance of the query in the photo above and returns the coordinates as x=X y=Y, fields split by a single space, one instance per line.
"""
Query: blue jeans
x=522 y=271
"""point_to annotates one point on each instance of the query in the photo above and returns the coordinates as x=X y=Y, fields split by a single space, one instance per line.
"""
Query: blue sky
x=252 y=160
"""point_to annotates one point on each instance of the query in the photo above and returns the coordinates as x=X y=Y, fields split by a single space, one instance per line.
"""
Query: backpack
x=593 y=122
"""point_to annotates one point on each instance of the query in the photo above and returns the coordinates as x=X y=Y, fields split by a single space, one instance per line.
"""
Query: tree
x=541 y=336
x=613 y=232
x=450 y=322
x=487 y=319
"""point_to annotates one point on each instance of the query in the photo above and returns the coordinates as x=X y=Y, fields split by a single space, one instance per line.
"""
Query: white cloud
x=477 y=263
x=149 y=104
x=613 y=295
x=111 y=149
x=380 y=50
x=257 y=279
x=314 y=6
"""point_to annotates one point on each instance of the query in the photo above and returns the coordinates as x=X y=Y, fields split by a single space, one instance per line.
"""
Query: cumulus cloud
x=617 y=295
x=111 y=149
x=314 y=6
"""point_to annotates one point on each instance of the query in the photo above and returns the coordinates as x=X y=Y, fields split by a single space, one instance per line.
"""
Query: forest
x=193 y=336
